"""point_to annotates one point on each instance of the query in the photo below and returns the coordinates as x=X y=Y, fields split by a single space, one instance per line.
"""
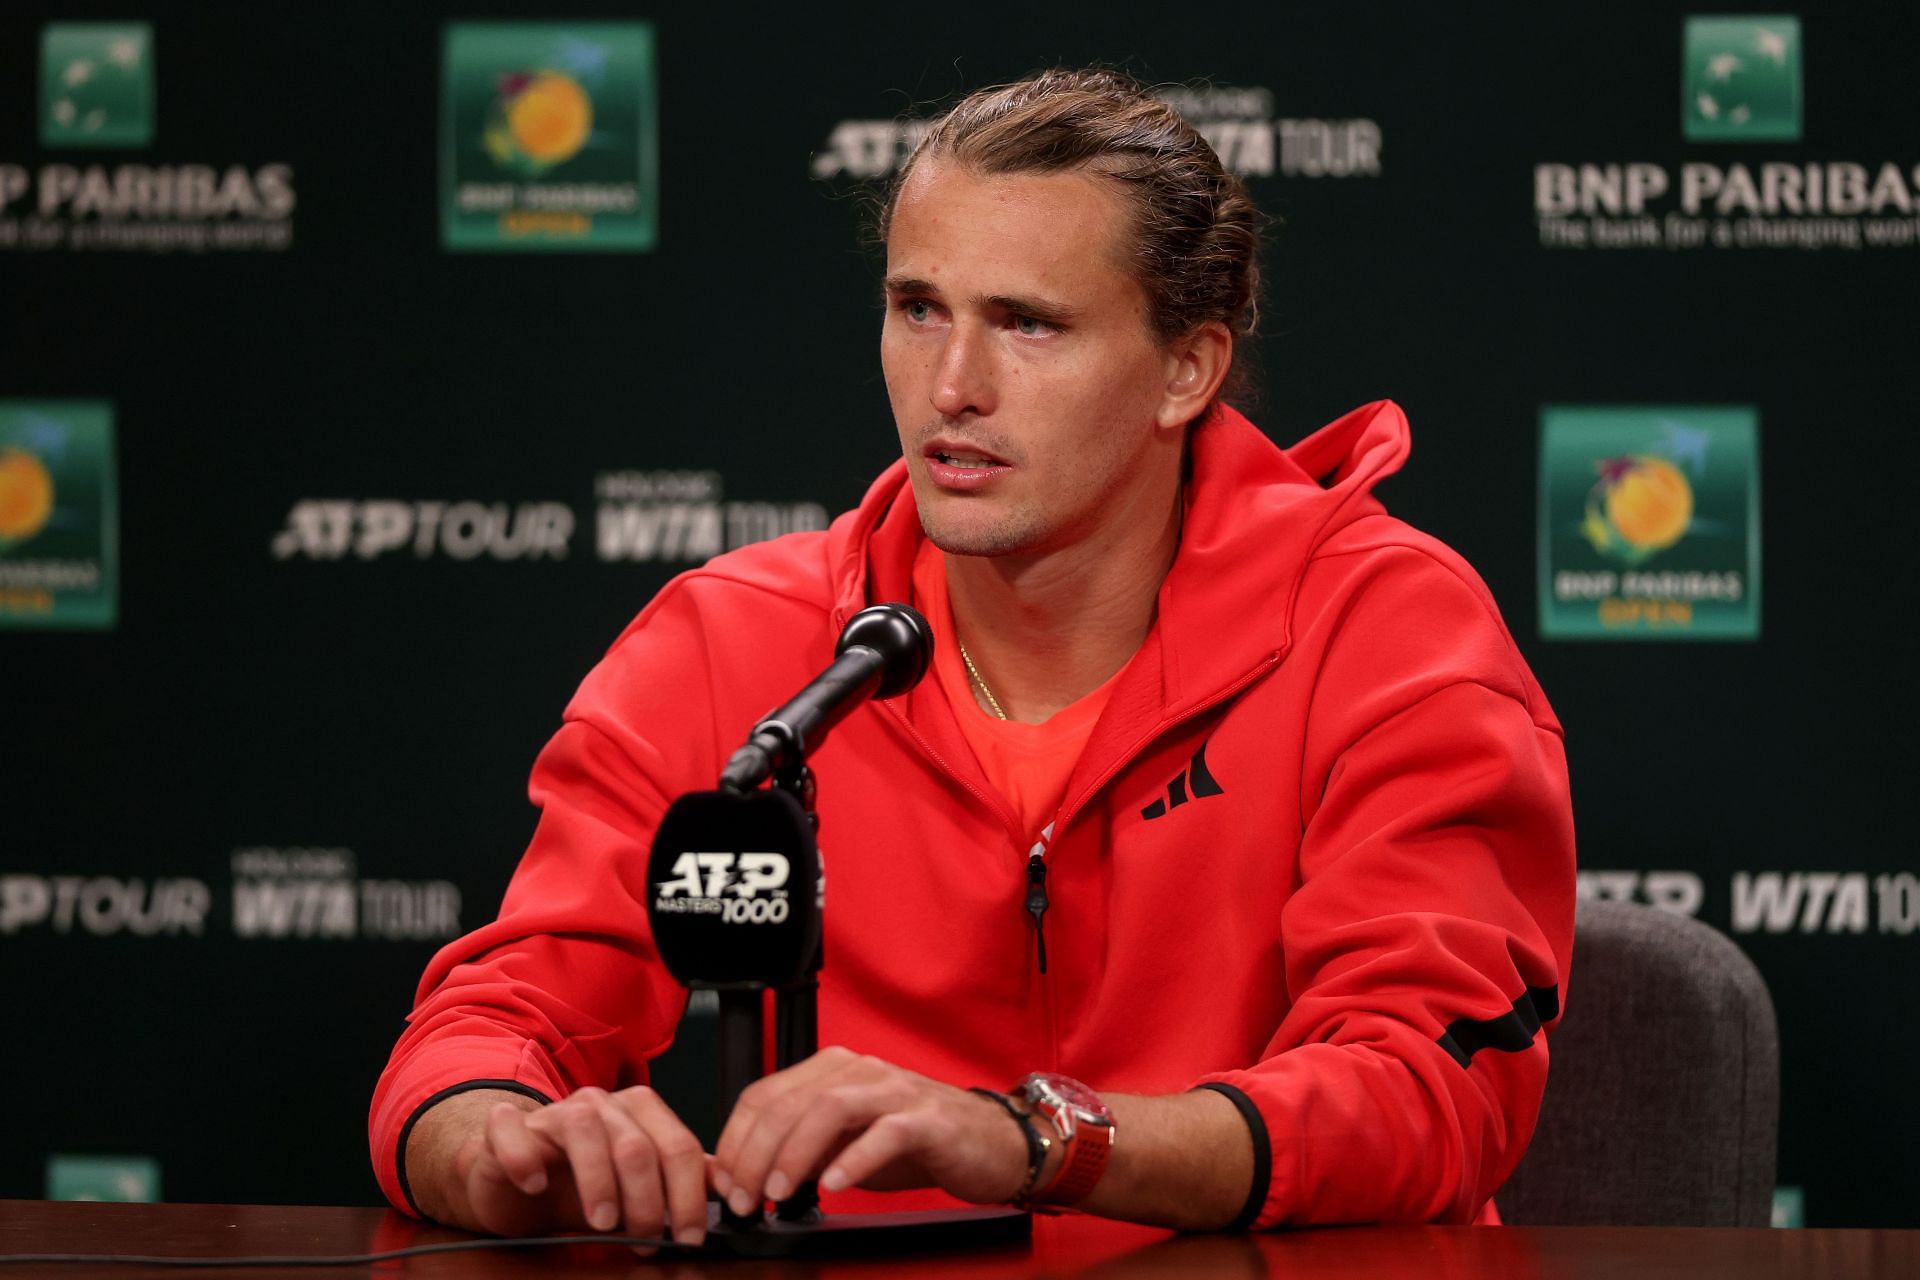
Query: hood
x=1255 y=513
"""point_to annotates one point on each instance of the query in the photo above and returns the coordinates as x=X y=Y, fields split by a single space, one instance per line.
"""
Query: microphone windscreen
x=900 y=636
x=733 y=889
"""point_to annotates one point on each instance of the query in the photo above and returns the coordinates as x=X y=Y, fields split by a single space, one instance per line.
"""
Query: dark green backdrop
x=390 y=706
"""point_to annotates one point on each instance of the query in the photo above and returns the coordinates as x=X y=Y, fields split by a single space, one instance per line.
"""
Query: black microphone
x=734 y=888
x=883 y=652
x=734 y=896
x=734 y=885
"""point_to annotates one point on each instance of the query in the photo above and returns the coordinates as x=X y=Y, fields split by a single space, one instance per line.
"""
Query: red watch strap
x=1082 y=1163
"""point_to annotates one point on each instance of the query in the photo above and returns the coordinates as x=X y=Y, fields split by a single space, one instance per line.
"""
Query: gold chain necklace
x=977 y=679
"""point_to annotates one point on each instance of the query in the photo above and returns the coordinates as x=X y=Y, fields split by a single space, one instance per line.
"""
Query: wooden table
x=1078 y=1247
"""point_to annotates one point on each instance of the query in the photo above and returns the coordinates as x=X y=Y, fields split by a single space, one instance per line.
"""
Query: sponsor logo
x=1741 y=79
x=59 y=515
x=104 y=906
x=863 y=149
x=1740 y=82
x=119 y=1179
x=316 y=894
x=1680 y=892
x=330 y=528
x=1776 y=902
x=1195 y=782
x=1649 y=523
x=548 y=137
x=740 y=888
x=96 y=90
x=1825 y=902
x=1239 y=123
x=277 y=893
x=680 y=516
x=96 y=84
x=1253 y=142
x=638 y=516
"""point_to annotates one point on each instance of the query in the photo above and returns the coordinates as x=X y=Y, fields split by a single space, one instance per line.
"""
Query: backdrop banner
x=363 y=374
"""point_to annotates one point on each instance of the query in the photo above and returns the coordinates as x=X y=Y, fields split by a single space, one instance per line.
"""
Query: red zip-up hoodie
x=1317 y=853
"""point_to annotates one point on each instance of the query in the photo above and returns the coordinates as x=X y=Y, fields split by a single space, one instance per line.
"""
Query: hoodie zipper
x=1037 y=899
x=1037 y=889
x=1037 y=902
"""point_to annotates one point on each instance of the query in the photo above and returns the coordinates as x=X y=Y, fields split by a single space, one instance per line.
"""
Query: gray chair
x=1663 y=1090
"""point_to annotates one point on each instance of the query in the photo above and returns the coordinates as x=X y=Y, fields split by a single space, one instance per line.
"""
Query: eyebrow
x=1038 y=308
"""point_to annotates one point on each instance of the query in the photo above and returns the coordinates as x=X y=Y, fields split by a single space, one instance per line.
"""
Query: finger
x=683 y=1165
x=835 y=1118
x=890 y=1138
x=767 y=1092
x=753 y=1155
x=579 y=1131
x=523 y=1154
x=637 y=1166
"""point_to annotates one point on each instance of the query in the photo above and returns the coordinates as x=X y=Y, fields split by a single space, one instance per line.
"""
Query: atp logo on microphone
x=740 y=888
x=766 y=875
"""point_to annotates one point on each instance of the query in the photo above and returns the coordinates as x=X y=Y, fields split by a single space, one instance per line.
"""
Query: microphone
x=734 y=889
x=734 y=883
x=883 y=652
x=734 y=897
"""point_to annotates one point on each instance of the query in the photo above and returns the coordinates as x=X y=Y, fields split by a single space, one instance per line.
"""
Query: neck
x=1047 y=629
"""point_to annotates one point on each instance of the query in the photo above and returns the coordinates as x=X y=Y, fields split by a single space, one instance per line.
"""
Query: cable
x=337 y=1260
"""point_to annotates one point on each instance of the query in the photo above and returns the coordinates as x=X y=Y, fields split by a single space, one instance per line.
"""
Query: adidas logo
x=1196 y=781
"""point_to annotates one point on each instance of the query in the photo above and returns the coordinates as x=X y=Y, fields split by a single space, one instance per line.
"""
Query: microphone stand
x=796 y=1004
x=796 y=1029
x=882 y=652
x=799 y=1229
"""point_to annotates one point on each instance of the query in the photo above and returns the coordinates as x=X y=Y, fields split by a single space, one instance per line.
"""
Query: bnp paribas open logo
x=548 y=137
x=1742 y=79
x=58 y=514
x=1649 y=523
x=96 y=84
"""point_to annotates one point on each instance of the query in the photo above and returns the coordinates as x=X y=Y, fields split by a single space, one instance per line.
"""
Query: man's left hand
x=852 y=1120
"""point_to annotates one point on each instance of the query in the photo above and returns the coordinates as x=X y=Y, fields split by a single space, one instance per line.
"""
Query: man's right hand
x=496 y=1161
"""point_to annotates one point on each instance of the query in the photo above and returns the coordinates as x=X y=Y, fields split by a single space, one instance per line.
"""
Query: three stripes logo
x=1193 y=783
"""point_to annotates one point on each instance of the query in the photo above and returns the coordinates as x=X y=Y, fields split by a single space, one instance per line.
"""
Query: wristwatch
x=1086 y=1129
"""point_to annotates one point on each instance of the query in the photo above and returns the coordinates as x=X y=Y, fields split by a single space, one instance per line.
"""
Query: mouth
x=955 y=465
x=965 y=457
x=966 y=461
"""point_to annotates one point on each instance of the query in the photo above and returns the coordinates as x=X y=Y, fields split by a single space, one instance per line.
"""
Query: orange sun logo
x=1641 y=505
x=26 y=495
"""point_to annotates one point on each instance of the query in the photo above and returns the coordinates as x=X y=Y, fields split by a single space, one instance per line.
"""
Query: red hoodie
x=1318 y=850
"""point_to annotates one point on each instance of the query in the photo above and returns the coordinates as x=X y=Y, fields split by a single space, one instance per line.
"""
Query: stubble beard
x=1015 y=533
x=952 y=525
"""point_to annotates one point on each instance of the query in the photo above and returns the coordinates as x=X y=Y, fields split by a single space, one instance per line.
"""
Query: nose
x=963 y=377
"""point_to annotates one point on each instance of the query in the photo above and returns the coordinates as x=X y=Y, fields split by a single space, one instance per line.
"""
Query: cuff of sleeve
x=416 y=1081
x=406 y=1130
x=1262 y=1153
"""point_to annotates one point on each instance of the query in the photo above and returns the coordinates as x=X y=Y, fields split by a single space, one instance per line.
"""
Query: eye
x=1028 y=327
x=916 y=310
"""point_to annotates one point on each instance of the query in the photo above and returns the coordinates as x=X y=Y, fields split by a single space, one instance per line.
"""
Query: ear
x=1197 y=364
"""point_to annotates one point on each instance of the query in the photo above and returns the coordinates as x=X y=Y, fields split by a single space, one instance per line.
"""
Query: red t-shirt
x=1028 y=764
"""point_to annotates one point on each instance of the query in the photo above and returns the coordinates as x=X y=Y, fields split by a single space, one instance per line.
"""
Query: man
x=1229 y=807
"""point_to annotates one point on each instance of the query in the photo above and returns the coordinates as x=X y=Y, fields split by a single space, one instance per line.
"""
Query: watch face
x=1044 y=1088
